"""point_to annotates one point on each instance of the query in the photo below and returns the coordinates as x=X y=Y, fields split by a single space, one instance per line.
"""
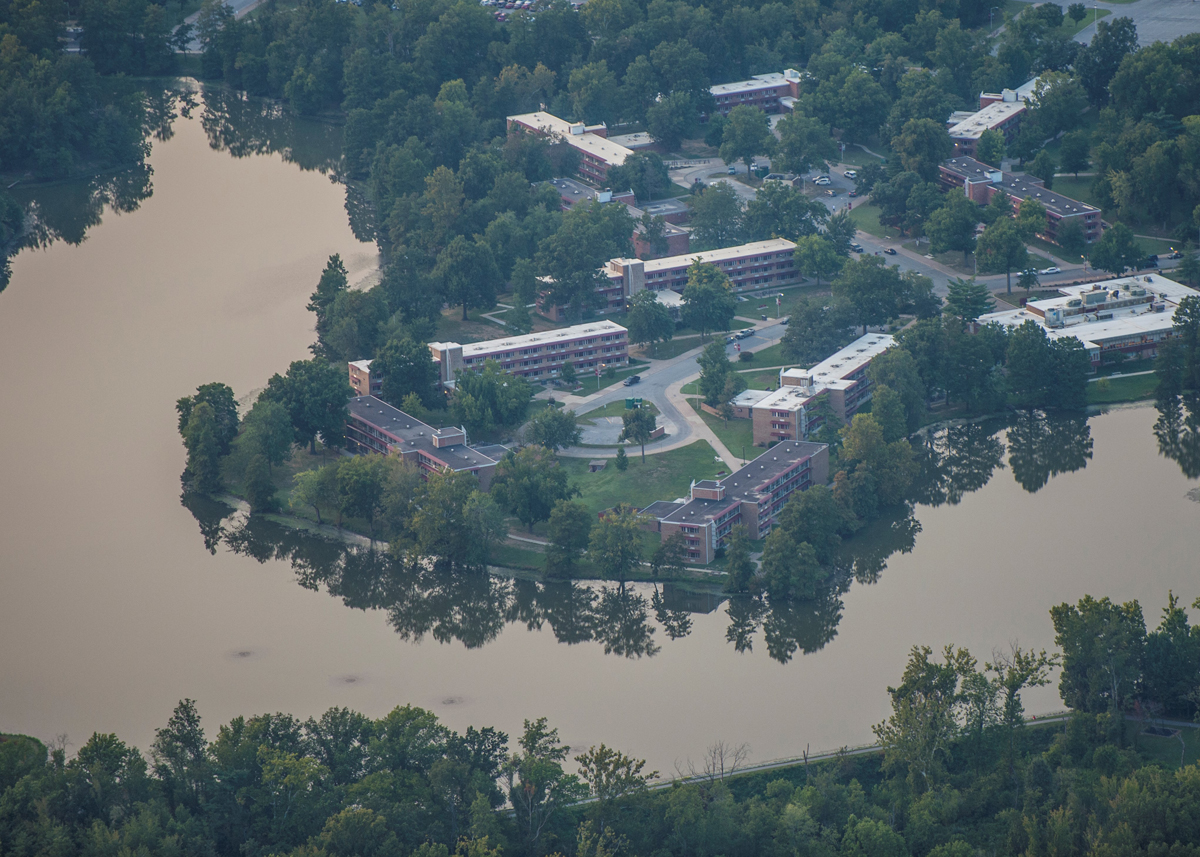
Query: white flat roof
x=749 y=398
x=613 y=154
x=774 y=245
x=830 y=373
x=989 y=117
x=1125 y=322
x=758 y=81
x=363 y=365
x=474 y=349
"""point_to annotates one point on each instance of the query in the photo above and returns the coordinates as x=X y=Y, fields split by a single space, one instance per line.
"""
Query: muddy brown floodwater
x=111 y=608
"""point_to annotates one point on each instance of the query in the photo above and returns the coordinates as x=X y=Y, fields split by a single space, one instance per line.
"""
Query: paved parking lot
x=1156 y=20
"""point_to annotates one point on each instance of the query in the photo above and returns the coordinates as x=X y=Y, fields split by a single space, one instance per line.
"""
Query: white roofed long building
x=539 y=356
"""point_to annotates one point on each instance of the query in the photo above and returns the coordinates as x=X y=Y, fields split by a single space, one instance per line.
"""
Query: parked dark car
x=631 y=380
x=1149 y=262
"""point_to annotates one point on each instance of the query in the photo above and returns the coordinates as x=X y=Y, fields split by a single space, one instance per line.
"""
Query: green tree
x=1031 y=218
x=867 y=837
x=315 y=395
x=1070 y=366
x=790 y=568
x=922 y=145
x=317 y=490
x=747 y=133
x=670 y=556
x=610 y=776
x=714 y=370
x=485 y=525
x=638 y=426
x=1102 y=644
x=1077 y=12
x=489 y=397
x=804 y=143
x=180 y=758
x=573 y=255
x=990 y=148
x=672 y=119
x=258 y=485
x=739 y=570
x=553 y=428
x=1070 y=236
x=778 y=210
x=708 y=302
x=871 y=289
x=1097 y=63
x=1029 y=364
x=816 y=255
x=917 y=735
x=621 y=460
x=569 y=530
x=716 y=216
x=593 y=89
x=968 y=299
x=266 y=432
x=890 y=465
x=1186 y=325
x=538 y=787
x=1014 y=671
x=360 y=488
x=406 y=367
x=1043 y=167
x=225 y=412
x=334 y=281
x=568 y=372
x=952 y=227
x=1116 y=251
x=1002 y=248
x=889 y=413
x=616 y=542
x=648 y=320
x=440 y=525
x=468 y=274
x=201 y=438
x=1075 y=152
x=644 y=173
x=528 y=483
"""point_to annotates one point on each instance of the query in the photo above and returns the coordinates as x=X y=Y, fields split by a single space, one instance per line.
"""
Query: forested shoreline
x=960 y=772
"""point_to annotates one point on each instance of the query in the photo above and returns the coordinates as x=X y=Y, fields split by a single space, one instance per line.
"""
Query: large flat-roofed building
x=981 y=182
x=788 y=413
x=362 y=381
x=597 y=152
x=1129 y=315
x=998 y=111
x=538 y=356
x=764 y=91
x=376 y=426
x=752 y=496
x=756 y=265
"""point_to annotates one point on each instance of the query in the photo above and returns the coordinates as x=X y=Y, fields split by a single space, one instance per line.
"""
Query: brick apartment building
x=538 y=356
x=981 y=182
x=362 y=381
x=787 y=414
x=998 y=111
x=752 y=496
x=764 y=91
x=376 y=426
x=597 y=152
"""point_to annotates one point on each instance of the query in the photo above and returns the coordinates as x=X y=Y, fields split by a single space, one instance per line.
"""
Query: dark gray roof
x=1019 y=187
x=663 y=207
x=661 y=508
x=744 y=484
x=409 y=434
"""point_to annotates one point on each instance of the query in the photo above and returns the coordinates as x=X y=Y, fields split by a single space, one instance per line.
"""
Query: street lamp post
x=991 y=17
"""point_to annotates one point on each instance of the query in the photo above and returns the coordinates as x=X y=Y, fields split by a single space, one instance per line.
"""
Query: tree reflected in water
x=1042 y=445
x=422 y=601
x=1178 y=432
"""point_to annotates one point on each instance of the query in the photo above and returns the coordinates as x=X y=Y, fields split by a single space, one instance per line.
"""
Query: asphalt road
x=1156 y=20
x=240 y=9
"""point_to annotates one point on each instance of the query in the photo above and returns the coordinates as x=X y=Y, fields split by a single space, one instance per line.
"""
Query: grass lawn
x=866 y=218
x=1166 y=750
x=1056 y=253
x=1076 y=188
x=1070 y=29
x=612 y=409
x=951 y=259
x=1156 y=245
x=520 y=555
x=772 y=356
x=664 y=476
x=667 y=350
x=856 y=157
x=1108 y=391
x=735 y=434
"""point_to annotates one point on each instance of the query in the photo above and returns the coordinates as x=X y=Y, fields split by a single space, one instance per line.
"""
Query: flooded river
x=116 y=600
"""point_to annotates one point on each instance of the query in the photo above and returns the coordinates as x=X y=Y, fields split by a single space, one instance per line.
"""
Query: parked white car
x=850 y=174
x=821 y=180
